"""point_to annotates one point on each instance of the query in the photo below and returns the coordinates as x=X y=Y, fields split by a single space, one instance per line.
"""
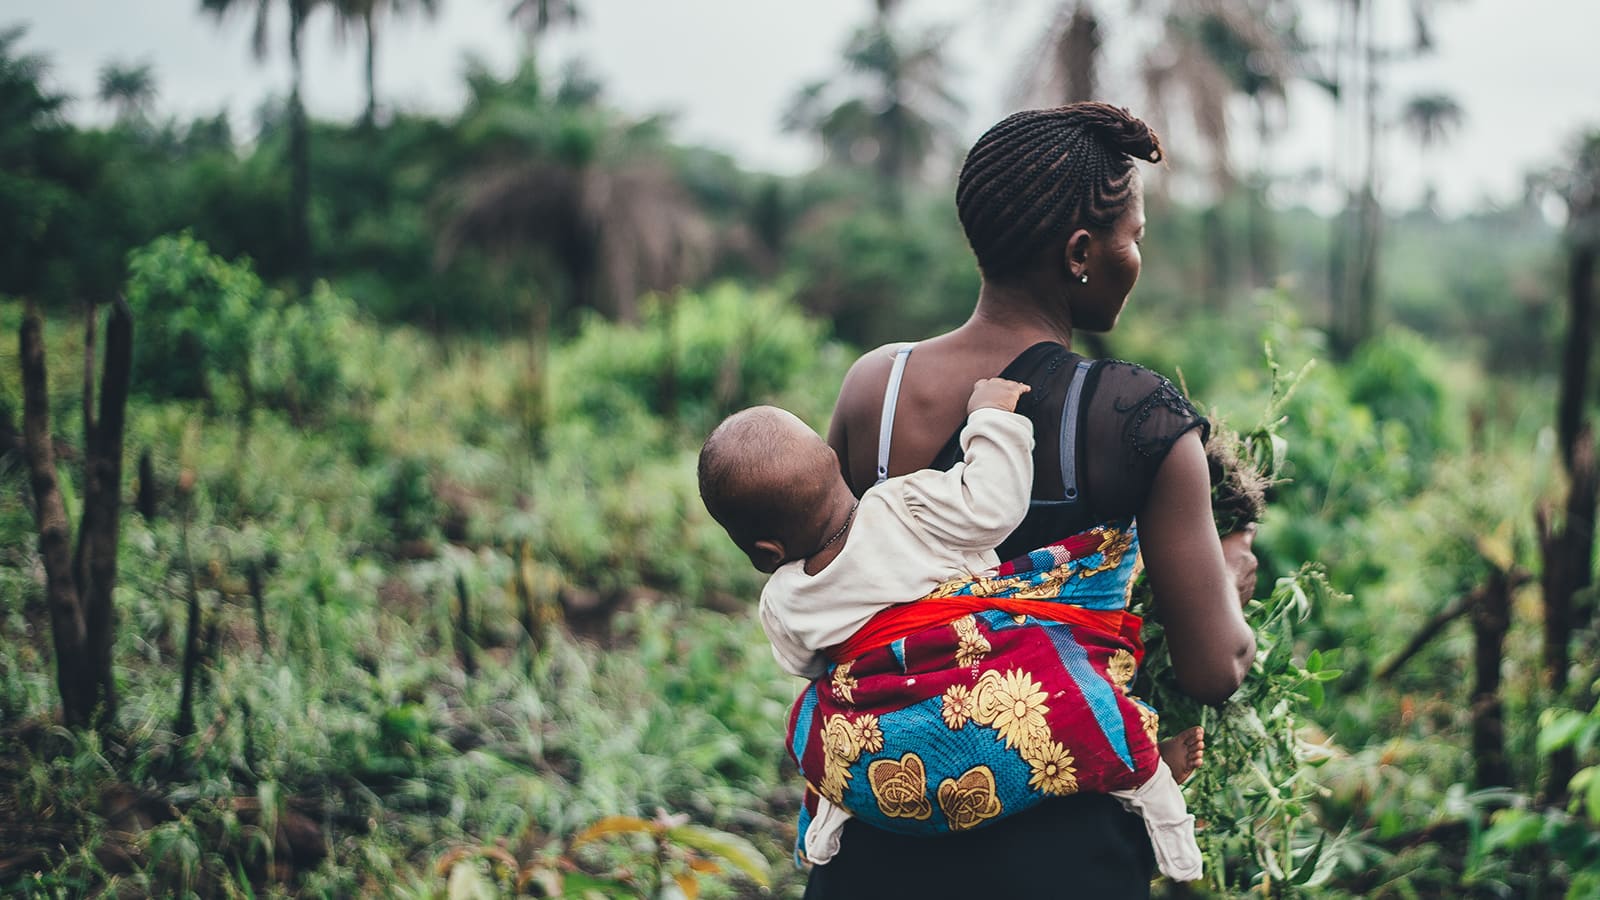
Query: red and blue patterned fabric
x=986 y=697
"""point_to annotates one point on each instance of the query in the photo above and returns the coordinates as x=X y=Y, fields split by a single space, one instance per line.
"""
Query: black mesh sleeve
x=1134 y=417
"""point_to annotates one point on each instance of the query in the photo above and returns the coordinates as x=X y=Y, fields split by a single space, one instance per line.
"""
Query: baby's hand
x=996 y=393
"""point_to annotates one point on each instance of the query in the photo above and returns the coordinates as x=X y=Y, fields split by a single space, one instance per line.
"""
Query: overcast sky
x=1527 y=73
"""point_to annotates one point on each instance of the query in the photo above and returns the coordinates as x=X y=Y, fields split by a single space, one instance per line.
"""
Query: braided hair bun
x=1040 y=174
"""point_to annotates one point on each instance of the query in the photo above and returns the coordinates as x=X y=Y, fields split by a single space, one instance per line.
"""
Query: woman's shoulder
x=1152 y=411
x=1122 y=373
x=876 y=362
x=867 y=377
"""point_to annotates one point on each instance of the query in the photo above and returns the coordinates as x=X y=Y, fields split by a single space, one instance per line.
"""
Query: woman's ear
x=1077 y=253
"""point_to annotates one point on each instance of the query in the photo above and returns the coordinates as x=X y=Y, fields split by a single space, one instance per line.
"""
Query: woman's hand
x=1239 y=556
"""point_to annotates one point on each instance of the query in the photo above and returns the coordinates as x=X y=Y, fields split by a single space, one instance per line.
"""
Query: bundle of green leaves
x=1253 y=797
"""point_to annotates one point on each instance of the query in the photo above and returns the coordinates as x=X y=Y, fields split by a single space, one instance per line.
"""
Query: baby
x=776 y=487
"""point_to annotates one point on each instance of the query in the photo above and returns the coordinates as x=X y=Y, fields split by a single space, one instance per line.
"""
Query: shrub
x=209 y=328
x=196 y=315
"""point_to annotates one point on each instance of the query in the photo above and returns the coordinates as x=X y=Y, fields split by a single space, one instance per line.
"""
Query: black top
x=1084 y=845
x=1128 y=418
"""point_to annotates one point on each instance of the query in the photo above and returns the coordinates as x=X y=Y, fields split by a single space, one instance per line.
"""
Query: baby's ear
x=766 y=555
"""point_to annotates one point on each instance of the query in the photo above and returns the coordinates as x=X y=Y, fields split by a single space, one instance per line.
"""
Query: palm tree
x=1359 y=56
x=537 y=17
x=129 y=89
x=610 y=217
x=1209 y=54
x=1431 y=118
x=1065 y=66
x=299 y=131
x=1211 y=51
x=364 y=14
x=895 y=114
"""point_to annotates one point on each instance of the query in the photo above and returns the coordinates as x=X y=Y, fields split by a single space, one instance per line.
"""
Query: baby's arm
x=982 y=499
x=788 y=650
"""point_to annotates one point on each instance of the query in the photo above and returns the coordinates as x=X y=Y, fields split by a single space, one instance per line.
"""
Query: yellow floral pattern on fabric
x=840 y=747
x=970 y=800
x=948 y=588
x=1012 y=704
x=972 y=646
x=1150 y=720
x=1127 y=592
x=1048 y=589
x=957 y=706
x=1053 y=772
x=844 y=684
x=869 y=737
x=1114 y=544
x=901 y=787
x=1120 y=667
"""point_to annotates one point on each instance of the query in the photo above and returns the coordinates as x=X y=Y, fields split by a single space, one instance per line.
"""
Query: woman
x=1053 y=207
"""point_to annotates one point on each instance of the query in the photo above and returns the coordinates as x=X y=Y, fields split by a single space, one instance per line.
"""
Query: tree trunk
x=528 y=600
x=893 y=165
x=1353 y=258
x=1490 y=621
x=1569 y=549
x=1260 y=237
x=148 y=499
x=95 y=564
x=1370 y=216
x=1575 y=359
x=68 y=628
x=191 y=632
x=1078 y=54
x=1338 y=281
x=299 y=156
x=1568 y=562
x=1219 y=258
x=258 y=603
x=469 y=662
x=1370 y=226
x=370 y=117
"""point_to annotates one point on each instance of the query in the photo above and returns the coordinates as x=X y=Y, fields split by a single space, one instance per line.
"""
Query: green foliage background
x=442 y=417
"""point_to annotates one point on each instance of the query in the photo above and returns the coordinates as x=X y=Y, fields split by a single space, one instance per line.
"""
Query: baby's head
x=771 y=482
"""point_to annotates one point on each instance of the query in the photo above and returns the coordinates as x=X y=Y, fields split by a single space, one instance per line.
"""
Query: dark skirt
x=1085 y=845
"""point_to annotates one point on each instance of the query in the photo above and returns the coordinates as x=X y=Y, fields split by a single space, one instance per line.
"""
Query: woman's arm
x=1199 y=591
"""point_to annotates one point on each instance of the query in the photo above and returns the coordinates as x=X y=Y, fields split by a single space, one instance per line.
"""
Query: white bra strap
x=891 y=395
x=1069 y=430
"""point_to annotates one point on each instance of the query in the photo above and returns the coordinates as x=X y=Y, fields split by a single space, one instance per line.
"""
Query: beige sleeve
x=980 y=500
x=788 y=650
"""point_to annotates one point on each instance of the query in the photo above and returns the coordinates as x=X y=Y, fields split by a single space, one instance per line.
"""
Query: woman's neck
x=1014 y=311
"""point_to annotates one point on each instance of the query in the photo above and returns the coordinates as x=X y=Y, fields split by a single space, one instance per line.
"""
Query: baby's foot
x=1184 y=753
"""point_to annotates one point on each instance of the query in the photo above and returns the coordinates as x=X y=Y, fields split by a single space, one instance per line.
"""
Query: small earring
x=1084 y=278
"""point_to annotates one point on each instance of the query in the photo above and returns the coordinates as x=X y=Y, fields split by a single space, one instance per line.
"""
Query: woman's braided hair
x=1042 y=173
